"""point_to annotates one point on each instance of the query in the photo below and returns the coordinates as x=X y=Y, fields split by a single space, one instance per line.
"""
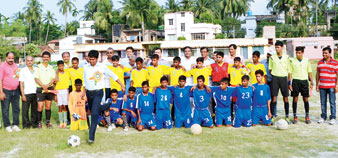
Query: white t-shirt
x=94 y=76
x=106 y=77
x=208 y=62
x=186 y=63
x=26 y=76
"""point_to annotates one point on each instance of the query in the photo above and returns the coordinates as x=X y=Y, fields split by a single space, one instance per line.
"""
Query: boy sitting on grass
x=112 y=116
x=129 y=109
x=77 y=108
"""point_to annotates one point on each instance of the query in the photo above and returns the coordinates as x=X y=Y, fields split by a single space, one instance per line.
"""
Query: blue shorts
x=202 y=117
x=147 y=120
x=114 y=117
x=99 y=119
x=260 y=114
x=132 y=120
x=223 y=117
x=163 y=119
x=243 y=117
x=185 y=120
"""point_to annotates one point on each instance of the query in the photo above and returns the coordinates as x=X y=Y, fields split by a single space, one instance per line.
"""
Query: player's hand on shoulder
x=193 y=88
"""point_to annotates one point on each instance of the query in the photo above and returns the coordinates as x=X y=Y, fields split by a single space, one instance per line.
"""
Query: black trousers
x=31 y=103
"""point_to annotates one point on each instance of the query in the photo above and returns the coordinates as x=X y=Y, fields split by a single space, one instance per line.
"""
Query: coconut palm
x=140 y=12
x=49 y=19
x=172 y=6
x=33 y=12
x=66 y=6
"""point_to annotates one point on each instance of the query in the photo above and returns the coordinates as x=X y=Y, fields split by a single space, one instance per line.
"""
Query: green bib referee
x=279 y=67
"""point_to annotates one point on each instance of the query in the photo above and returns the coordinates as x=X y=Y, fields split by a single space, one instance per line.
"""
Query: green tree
x=172 y=6
x=66 y=6
x=33 y=12
x=104 y=15
x=187 y=5
x=234 y=8
x=48 y=18
x=140 y=12
x=334 y=29
x=32 y=49
x=203 y=7
x=90 y=9
x=72 y=27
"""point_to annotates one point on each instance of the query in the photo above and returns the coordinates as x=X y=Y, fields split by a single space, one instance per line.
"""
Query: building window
x=171 y=22
x=182 y=14
x=182 y=27
x=224 y=50
x=172 y=37
x=260 y=49
x=172 y=52
x=198 y=36
x=244 y=52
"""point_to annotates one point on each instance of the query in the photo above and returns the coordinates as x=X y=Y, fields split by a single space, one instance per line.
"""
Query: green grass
x=299 y=140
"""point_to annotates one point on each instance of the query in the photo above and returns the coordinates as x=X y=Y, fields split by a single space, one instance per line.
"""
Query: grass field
x=299 y=140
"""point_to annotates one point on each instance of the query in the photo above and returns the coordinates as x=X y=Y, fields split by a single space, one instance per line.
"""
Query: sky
x=9 y=8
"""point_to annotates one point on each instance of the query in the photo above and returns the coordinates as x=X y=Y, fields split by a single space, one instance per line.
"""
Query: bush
x=181 y=38
x=220 y=36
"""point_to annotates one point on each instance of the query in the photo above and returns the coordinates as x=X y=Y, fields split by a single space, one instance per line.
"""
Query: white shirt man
x=187 y=62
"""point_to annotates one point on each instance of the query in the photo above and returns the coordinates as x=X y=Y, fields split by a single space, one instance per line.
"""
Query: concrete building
x=181 y=24
x=313 y=46
x=86 y=28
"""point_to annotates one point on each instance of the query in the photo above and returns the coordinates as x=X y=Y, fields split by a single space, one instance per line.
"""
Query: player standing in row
x=300 y=73
x=279 y=67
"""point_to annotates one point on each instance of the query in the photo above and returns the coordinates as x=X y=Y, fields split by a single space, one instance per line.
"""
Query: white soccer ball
x=196 y=129
x=74 y=141
x=282 y=124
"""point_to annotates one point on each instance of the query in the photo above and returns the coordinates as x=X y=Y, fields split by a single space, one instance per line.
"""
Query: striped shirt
x=327 y=73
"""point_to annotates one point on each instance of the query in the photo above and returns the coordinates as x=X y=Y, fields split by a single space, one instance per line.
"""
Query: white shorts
x=62 y=97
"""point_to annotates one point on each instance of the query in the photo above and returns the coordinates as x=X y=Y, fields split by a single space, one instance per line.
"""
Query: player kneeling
x=244 y=103
x=129 y=110
x=145 y=108
x=223 y=97
x=163 y=98
x=112 y=116
x=261 y=101
x=202 y=114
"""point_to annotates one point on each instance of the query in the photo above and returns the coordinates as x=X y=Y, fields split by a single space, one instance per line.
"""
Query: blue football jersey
x=222 y=97
x=244 y=97
x=117 y=104
x=130 y=104
x=145 y=103
x=182 y=99
x=201 y=98
x=163 y=98
x=261 y=94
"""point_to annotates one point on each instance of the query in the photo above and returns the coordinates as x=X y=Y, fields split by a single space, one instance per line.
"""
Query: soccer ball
x=74 y=141
x=282 y=124
x=196 y=129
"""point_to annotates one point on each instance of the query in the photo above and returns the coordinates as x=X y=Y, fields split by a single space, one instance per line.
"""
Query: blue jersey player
x=163 y=99
x=223 y=96
x=244 y=103
x=261 y=101
x=182 y=106
x=112 y=116
x=201 y=97
x=145 y=108
x=129 y=109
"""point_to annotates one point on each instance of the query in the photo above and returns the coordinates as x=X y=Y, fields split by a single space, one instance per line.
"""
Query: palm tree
x=49 y=19
x=139 y=12
x=19 y=15
x=172 y=6
x=90 y=9
x=66 y=6
x=33 y=12
x=76 y=12
x=203 y=6
x=187 y=5
x=234 y=8
x=104 y=15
